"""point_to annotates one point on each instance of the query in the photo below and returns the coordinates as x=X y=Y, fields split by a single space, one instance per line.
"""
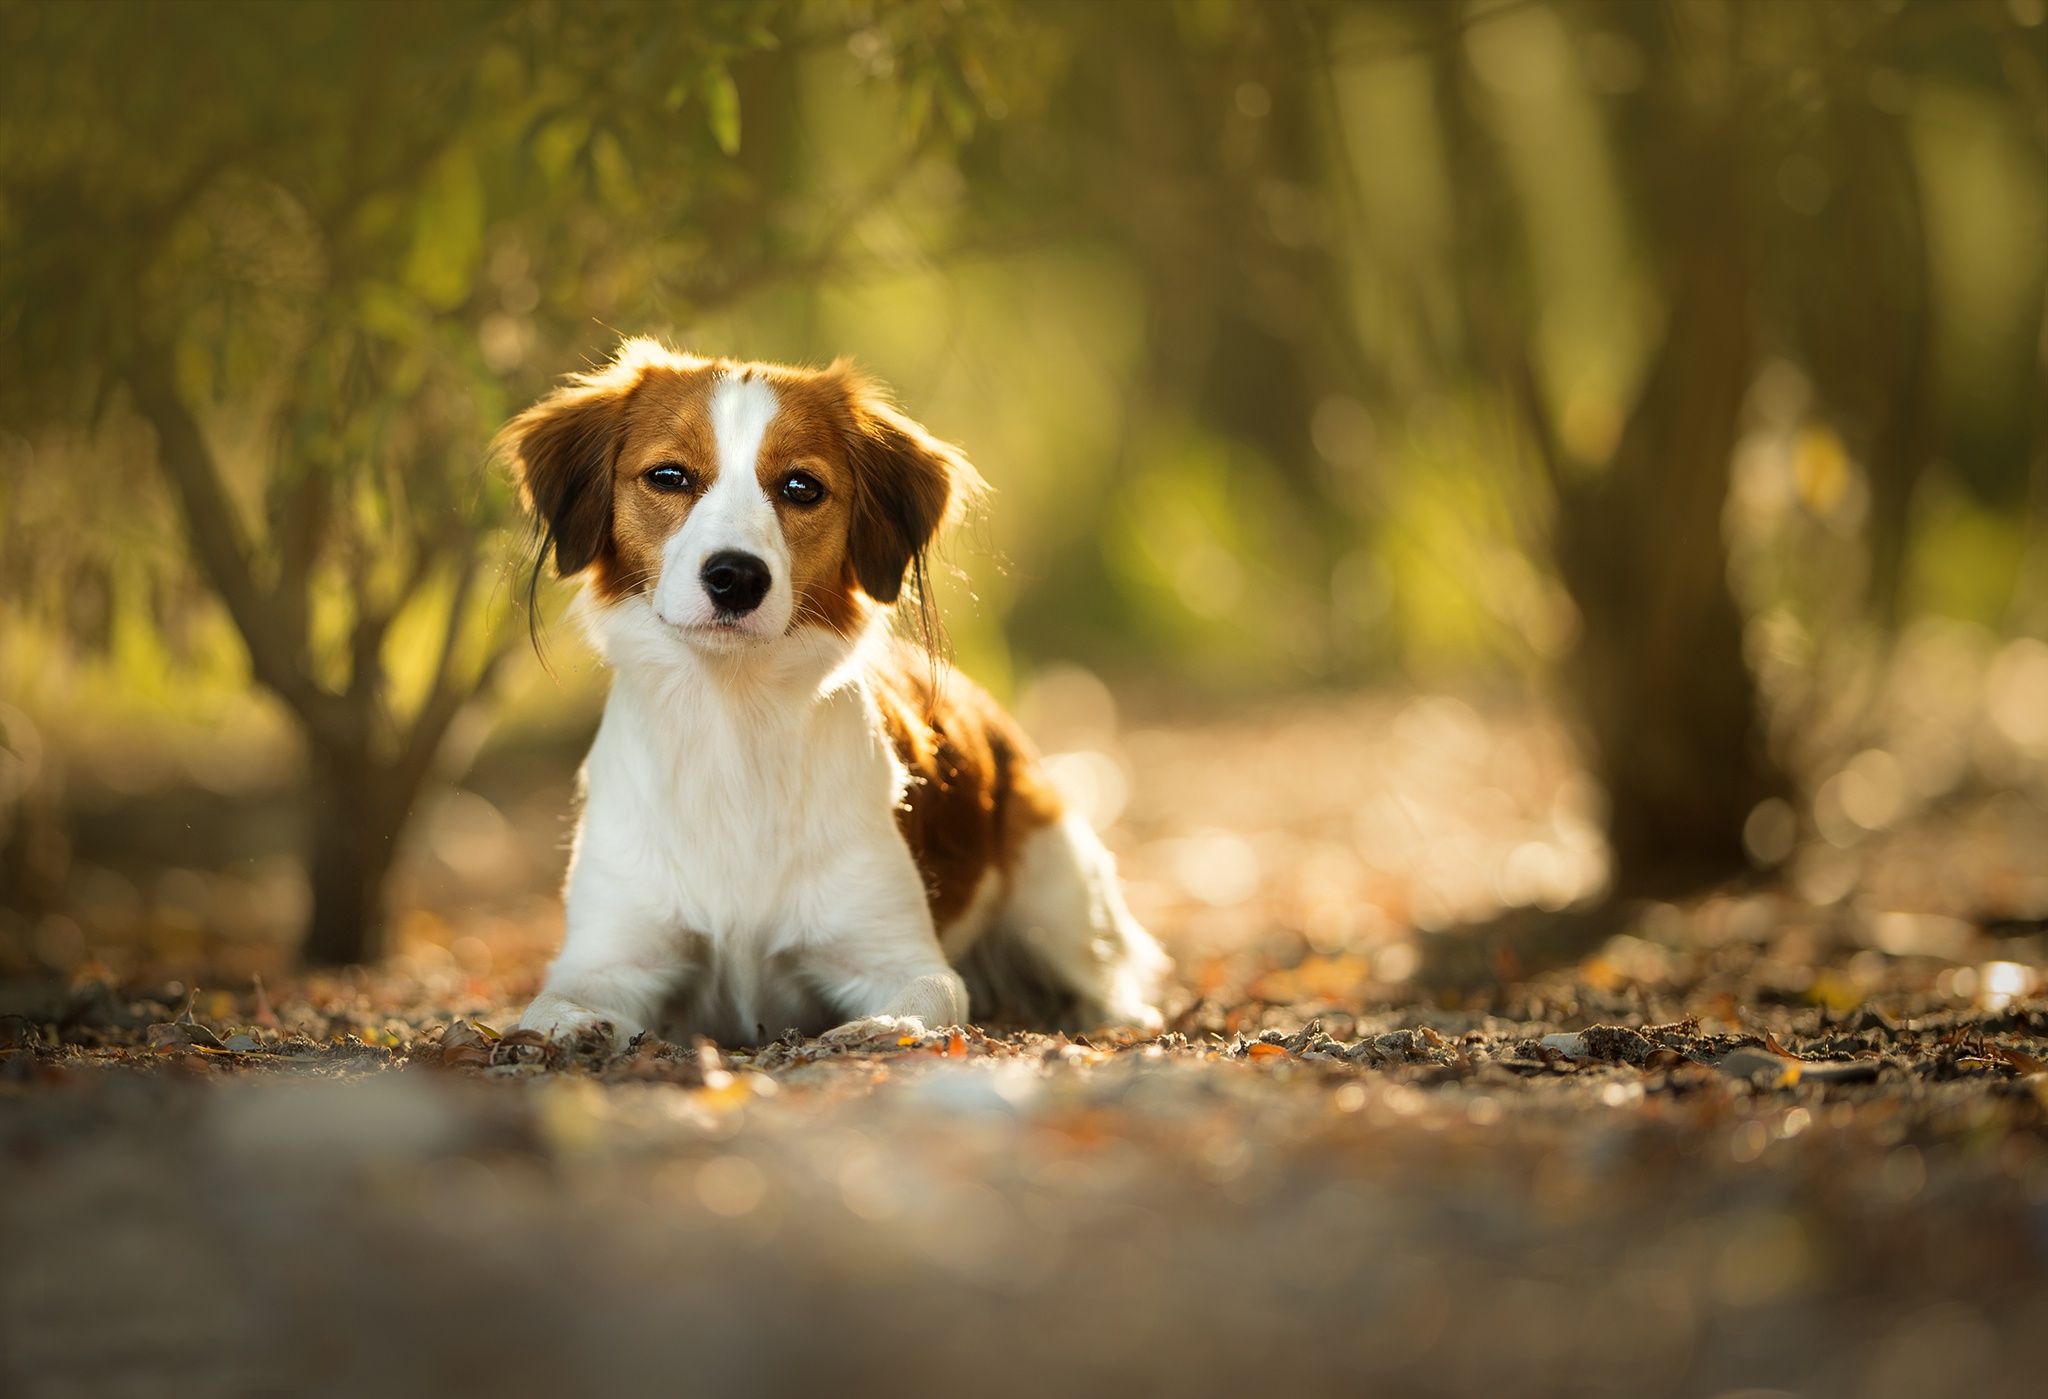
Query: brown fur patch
x=977 y=792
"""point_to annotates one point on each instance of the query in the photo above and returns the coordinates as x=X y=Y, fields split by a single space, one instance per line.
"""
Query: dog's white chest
x=739 y=822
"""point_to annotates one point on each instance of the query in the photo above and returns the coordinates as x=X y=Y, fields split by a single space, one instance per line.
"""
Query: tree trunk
x=1664 y=698
x=1664 y=690
x=353 y=835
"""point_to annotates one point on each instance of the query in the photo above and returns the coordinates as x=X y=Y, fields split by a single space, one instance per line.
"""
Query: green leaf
x=722 y=107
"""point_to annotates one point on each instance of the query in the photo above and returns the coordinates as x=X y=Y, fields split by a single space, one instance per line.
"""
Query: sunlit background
x=1447 y=458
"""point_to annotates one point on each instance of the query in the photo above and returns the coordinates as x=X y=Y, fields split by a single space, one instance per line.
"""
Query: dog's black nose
x=736 y=582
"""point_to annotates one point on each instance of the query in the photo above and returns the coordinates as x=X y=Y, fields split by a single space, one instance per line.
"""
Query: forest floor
x=1789 y=1138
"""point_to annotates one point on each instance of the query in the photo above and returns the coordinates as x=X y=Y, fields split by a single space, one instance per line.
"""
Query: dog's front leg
x=622 y=962
x=871 y=951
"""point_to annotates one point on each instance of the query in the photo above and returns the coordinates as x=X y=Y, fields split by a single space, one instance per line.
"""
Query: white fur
x=746 y=798
x=1067 y=908
x=738 y=853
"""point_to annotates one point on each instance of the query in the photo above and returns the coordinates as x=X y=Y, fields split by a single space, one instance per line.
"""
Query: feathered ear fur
x=906 y=484
x=561 y=452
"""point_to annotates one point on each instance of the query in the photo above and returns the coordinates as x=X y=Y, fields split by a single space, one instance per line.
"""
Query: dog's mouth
x=718 y=633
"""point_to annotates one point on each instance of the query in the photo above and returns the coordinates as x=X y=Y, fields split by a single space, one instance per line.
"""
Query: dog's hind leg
x=1065 y=947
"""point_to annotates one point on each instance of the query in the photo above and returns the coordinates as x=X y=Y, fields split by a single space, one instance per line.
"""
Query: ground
x=1786 y=1137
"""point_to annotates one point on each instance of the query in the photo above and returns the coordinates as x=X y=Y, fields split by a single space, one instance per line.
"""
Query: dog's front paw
x=1140 y=1015
x=876 y=1032
x=559 y=1018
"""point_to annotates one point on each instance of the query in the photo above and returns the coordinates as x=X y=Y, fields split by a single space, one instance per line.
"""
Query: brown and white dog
x=792 y=818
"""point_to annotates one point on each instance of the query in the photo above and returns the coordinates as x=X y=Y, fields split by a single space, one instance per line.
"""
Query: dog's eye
x=801 y=488
x=669 y=477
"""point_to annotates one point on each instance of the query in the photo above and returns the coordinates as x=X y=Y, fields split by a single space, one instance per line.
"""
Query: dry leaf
x=2025 y=1063
x=180 y=1034
x=463 y=1035
x=1265 y=1051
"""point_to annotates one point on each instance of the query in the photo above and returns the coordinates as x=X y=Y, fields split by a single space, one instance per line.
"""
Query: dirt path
x=1432 y=1202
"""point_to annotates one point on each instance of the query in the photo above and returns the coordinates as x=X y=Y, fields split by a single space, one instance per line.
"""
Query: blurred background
x=1449 y=459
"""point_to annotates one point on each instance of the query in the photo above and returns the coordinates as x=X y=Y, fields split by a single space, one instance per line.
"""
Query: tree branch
x=447 y=697
x=214 y=534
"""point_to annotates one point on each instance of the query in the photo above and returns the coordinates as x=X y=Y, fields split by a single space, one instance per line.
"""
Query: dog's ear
x=561 y=451
x=905 y=484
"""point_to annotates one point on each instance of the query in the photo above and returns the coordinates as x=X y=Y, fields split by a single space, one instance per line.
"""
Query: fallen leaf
x=1771 y=1044
x=180 y=1034
x=463 y=1035
x=1265 y=1051
x=2025 y=1063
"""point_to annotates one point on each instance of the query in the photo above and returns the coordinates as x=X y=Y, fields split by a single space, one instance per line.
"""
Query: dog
x=792 y=817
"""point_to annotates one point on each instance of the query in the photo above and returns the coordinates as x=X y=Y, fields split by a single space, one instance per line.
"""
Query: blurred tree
x=1765 y=156
x=316 y=249
x=1762 y=158
x=1663 y=691
x=1196 y=137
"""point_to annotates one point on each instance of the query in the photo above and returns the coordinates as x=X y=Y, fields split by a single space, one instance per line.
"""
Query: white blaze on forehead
x=741 y=410
x=733 y=514
x=736 y=513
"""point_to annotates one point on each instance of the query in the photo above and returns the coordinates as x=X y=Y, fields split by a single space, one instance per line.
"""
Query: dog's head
x=740 y=501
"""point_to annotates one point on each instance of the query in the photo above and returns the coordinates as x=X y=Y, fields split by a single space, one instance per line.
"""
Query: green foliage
x=345 y=232
x=318 y=253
